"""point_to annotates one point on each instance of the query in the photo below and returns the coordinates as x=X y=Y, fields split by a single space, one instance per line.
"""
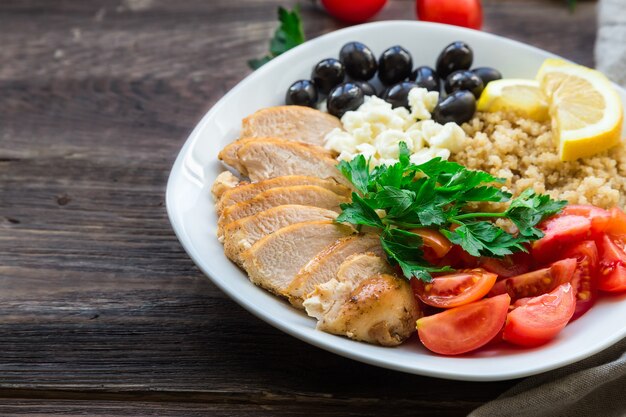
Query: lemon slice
x=520 y=96
x=586 y=111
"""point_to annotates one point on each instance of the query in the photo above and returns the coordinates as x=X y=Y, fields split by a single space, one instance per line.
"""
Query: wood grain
x=101 y=311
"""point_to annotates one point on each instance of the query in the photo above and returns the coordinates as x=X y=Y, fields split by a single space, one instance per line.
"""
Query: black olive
x=367 y=88
x=425 y=77
x=487 y=74
x=464 y=80
x=458 y=107
x=302 y=93
x=394 y=65
x=344 y=97
x=398 y=95
x=359 y=61
x=456 y=56
x=328 y=73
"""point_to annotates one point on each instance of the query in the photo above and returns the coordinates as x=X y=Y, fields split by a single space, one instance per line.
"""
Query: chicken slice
x=224 y=182
x=250 y=190
x=305 y=195
x=230 y=153
x=325 y=265
x=380 y=310
x=360 y=266
x=274 y=261
x=294 y=123
x=240 y=235
x=269 y=158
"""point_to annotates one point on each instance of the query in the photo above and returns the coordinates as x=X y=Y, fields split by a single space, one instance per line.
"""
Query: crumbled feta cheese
x=422 y=103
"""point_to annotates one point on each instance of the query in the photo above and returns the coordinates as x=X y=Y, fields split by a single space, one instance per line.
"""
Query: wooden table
x=101 y=311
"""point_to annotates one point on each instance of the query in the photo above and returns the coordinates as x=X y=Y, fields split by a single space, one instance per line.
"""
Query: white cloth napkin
x=595 y=386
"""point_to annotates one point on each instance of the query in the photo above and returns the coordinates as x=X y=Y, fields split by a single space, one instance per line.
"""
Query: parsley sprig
x=436 y=195
x=288 y=35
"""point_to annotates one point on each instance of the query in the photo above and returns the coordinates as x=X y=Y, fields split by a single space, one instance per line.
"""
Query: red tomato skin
x=512 y=265
x=617 y=224
x=353 y=11
x=559 y=231
x=442 y=291
x=598 y=217
x=612 y=270
x=536 y=282
x=584 y=279
x=540 y=319
x=466 y=13
x=466 y=328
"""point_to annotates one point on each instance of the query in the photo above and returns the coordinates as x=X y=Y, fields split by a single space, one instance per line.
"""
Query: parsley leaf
x=357 y=171
x=359 y=212
x=527 y=210
x=288 y=35
x=484 y=238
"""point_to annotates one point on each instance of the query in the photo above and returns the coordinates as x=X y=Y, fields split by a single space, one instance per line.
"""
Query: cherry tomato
x=599 y=218
x=560 y=231
x=617 y=223
x=509 y=266
x=585 y=276
x=435 y=241
x=612 y=273
x=541 y=318
x=466 y=328
x=457 y=258
x=536 y=282
x=454 y=290
x=466 y=13
x=352 y=11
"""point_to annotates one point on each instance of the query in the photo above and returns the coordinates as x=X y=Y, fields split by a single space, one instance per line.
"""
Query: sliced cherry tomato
x=463 y=329
x=509 y=266
x=585 y=277
x=599 y=218
x=617 y=223
x=541 y=318
x=612 y=273
x=466 y=13
x=438 y=243
x=559 y=232
x=536 y=282
x=457 y=258
x=353 y=11
x=454 y=290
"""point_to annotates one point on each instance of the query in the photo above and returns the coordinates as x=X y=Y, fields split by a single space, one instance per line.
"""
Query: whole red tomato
x=466 y=13
x=353 y=11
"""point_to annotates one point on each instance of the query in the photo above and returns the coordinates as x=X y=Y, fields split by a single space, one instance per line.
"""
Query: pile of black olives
x=346 y=81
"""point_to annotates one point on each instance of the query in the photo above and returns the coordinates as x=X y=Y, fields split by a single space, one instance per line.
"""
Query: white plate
x=191 y=211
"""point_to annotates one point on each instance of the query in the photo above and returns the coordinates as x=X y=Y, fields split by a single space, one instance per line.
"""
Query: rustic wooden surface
x=101 y=311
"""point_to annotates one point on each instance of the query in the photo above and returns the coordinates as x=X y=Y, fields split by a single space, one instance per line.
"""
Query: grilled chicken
x=306 y=195
x=294 y=123
x=247 y=191
x=381 y=309
x=325 y=265
x=269 y=158
x=224 y=182
x=240 y=235
x=360 y=266
x=274 y=261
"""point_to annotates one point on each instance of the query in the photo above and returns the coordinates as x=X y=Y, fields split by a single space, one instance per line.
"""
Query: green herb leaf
x=288 y=35
x=484 y=238
x=357 y=171
x=529 y=209
x=359 y=212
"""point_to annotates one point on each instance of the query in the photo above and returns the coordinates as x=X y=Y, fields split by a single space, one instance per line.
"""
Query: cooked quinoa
x=522 y=152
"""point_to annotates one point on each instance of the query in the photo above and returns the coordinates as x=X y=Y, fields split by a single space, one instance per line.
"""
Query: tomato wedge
x=508 y=266
x=598 y=217
x=541 y=318
x=454 y=290
x=617 y=224
x=466 y=328
x=612 y=274
x=436 y=245
x=536 y=282
x=585 y=277
x=559 y=232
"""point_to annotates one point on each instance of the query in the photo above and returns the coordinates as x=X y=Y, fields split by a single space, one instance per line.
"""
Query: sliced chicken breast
x=360 y=266
x=325 y=265
x=249 y=190
x=274 y=261
x=240 y=235
x=230 y=154
x=380 y=310
x=305 y=195
x=225 y=181
x=294 y=123
x=269 y=158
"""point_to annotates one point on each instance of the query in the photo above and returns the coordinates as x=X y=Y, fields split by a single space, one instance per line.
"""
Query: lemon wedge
x=586 y=111
x=523 y=97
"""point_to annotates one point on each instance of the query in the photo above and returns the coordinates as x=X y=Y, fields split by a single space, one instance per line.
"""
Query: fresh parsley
x=437 y=195
x=288 y=35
